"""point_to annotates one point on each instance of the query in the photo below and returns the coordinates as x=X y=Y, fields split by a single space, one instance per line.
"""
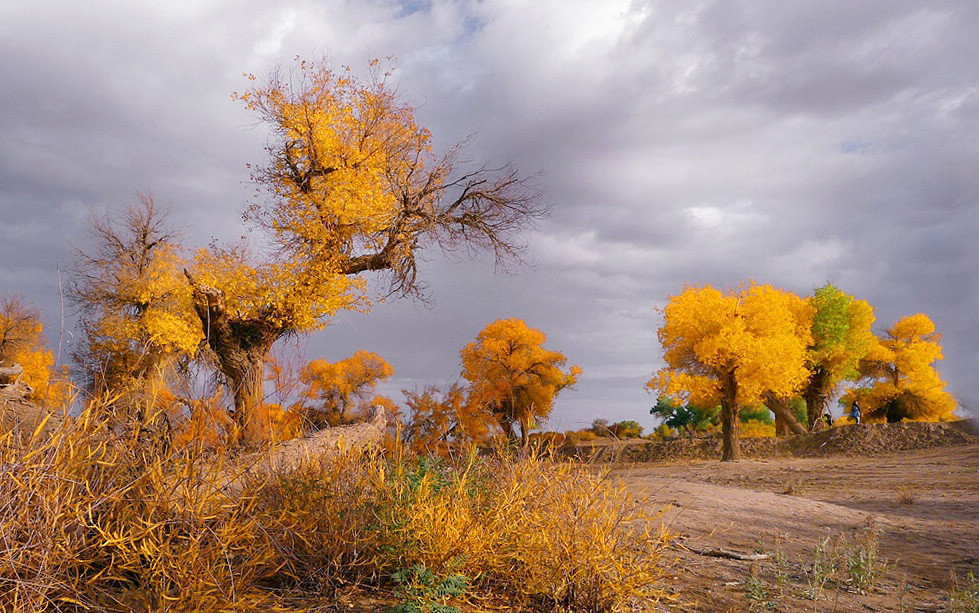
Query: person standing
x=855 y=412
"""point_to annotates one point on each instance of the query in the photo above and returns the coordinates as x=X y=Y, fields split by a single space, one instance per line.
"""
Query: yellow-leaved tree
x=337 y=390
x=353 y=186
x=23 y=349
x=440 y=418
x=513 y=377
x=732 y=348
x=904 y=383
x=137 y=317
x=841 y=338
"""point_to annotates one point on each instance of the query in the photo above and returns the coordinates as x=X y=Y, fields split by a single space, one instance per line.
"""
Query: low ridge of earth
x=911 y=488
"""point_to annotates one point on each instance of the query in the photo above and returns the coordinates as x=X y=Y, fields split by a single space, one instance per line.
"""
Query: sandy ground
x=924 y=504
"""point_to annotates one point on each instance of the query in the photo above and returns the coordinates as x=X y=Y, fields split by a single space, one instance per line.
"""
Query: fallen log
x=23 y=417
x=717 y=552
x=330 y=441
x=11 y=372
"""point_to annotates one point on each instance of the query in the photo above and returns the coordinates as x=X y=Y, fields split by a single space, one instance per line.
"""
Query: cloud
x=702 y=142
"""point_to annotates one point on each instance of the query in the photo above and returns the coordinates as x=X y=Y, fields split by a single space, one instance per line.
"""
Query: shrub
x=600 y=427
x=756 y=428
x=626 y=429
x=578 y=436
x=95 y=520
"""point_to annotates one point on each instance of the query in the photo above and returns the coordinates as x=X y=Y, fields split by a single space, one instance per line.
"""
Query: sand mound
x=862 y=440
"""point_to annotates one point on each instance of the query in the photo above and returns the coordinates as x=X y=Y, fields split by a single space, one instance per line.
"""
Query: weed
x=423 y=592
x=863 y=564
x=783 y=576
x=906 y=495
x=824 y=567
x=756 y=591
x=965 y=598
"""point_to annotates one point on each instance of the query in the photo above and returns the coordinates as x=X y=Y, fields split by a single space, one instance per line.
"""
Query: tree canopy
x=732 y=348
x=900 y=370
x=513 y=376
x=353 y=185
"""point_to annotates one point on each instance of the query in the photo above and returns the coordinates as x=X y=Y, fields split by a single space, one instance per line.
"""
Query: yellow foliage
x=757 y=428
x=842 y=333
x=905 y=382
x=577 y=436
x=22 y=342
x=295 y=293
x=758 y=335
x=513 y=375
x=113 y=523
x=286 y=424
x=137 y=311
x=442 y=419
x=349 y=152
x=206 y=427
x=337 y=390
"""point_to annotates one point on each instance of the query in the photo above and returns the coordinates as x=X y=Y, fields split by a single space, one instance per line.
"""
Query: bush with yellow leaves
x=757 y=428
x=95 y=520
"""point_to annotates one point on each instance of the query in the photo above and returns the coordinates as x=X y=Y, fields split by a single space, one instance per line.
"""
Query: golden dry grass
x=101 y=521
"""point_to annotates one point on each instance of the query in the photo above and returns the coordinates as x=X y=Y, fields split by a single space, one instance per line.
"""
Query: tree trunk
x=524 y=434
x=783 y=416
x=781 y=428
x=731 y=447
x=815 y=396
x=241 y=346
x=251 y=413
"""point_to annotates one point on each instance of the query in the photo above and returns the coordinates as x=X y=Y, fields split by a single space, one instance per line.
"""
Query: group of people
x=855 y=414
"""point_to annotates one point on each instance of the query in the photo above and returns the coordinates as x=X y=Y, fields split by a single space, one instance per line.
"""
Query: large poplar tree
x=352 y=186
x=733 y=348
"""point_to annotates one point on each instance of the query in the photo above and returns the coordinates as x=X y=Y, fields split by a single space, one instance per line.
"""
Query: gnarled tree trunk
x=241 y=346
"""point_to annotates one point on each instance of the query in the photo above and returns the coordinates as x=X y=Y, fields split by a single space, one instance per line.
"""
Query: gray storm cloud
x=702 y=142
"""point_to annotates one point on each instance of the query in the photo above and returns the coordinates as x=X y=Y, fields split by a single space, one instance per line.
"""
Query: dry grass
x=906 y=495
x=97 y=521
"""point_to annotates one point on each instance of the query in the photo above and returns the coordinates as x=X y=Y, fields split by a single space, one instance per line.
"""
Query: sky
x=793 y=143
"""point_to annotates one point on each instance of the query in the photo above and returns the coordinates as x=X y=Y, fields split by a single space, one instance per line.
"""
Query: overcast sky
x=793 y=143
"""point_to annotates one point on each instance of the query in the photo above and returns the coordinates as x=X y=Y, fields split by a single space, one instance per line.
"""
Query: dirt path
x=923 y=504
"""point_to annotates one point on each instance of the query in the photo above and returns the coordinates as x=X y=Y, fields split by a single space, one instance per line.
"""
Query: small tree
x=338 y=389
x=680 y=416
x=22 y=344
x=513 y=376
x=137 y=320
x=626 y=429
x=440 y=418
x=841 y=337
x=601 y=427
x=904 y=383
x=731 y=349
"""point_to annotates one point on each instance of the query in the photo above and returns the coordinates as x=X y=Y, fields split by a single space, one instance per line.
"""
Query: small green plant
x=965 y=598
x=824 y=567
x=863 y=563
x=756 y=590
x=783 y=577
x=423 y=592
